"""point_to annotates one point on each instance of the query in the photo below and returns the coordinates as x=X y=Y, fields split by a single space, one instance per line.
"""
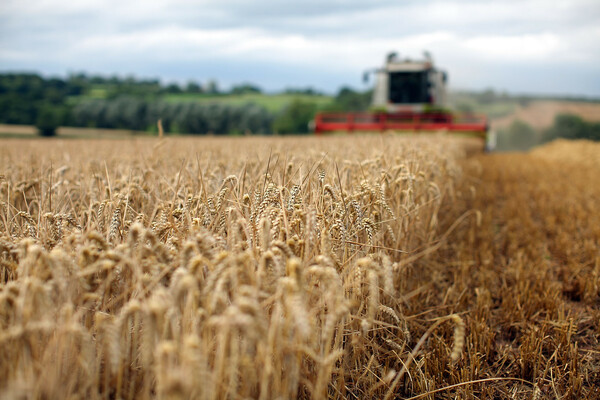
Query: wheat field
x=275 y=268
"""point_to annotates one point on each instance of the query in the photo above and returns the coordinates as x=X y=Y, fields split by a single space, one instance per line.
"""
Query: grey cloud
x=325 y=42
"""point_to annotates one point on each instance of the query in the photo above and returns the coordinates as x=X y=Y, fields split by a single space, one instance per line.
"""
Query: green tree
x=595 y=131
x=569 y=126
x=193 y=87
x=245 y=88
x=348 y=100
x=48 y=120
x=295 y=117
x=173 y=88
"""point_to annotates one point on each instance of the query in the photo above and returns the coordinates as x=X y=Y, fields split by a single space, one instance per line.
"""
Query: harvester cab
x=410 y=96
x=407 y=85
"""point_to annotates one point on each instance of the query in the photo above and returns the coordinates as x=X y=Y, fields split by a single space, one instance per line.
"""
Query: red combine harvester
x=408 y=96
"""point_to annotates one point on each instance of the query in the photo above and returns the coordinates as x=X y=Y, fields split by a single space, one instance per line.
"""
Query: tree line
x=129 y=103
x=186 y=117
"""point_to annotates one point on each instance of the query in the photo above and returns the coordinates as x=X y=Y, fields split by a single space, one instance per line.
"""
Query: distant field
x=540 y=114
x=17 y=130
x=26 y=131
x=272 y=102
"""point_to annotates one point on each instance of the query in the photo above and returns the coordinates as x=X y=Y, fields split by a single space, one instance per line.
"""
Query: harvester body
x=410 y=96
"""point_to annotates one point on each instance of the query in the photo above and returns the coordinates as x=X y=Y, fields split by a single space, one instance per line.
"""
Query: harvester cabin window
x=409 y=88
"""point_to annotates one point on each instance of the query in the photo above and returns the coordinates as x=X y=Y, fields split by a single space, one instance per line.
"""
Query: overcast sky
x=523 y=46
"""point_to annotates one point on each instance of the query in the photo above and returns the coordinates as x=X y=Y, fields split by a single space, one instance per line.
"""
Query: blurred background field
x=93 y=106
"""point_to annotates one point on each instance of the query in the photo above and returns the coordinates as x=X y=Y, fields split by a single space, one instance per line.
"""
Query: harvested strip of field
x=344 y=267
x=528 y=278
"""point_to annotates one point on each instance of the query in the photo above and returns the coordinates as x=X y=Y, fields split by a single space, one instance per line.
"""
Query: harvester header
x=409 y=95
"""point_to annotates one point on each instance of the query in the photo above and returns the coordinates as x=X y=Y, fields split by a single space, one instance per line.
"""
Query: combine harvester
x=409 y=96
